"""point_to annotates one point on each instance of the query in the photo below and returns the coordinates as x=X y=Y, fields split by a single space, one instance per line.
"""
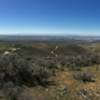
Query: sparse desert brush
x=28 y=73
x=84 y=76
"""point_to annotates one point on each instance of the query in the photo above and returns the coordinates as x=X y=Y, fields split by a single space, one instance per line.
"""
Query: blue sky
x=62 y=17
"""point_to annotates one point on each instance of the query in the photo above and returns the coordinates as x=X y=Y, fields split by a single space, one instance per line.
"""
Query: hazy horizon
x=33 y=34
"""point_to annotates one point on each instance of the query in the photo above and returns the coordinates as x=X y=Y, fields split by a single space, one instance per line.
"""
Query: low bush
x=18 y=70
x=84 y=76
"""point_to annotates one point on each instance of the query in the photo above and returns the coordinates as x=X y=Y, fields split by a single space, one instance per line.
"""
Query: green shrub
x=20 y=71
x=84 y=76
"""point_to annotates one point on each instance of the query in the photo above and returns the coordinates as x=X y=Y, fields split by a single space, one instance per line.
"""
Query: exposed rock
x=6 y=53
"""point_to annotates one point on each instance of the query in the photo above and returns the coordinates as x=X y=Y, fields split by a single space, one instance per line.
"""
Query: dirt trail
x=53 y=52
